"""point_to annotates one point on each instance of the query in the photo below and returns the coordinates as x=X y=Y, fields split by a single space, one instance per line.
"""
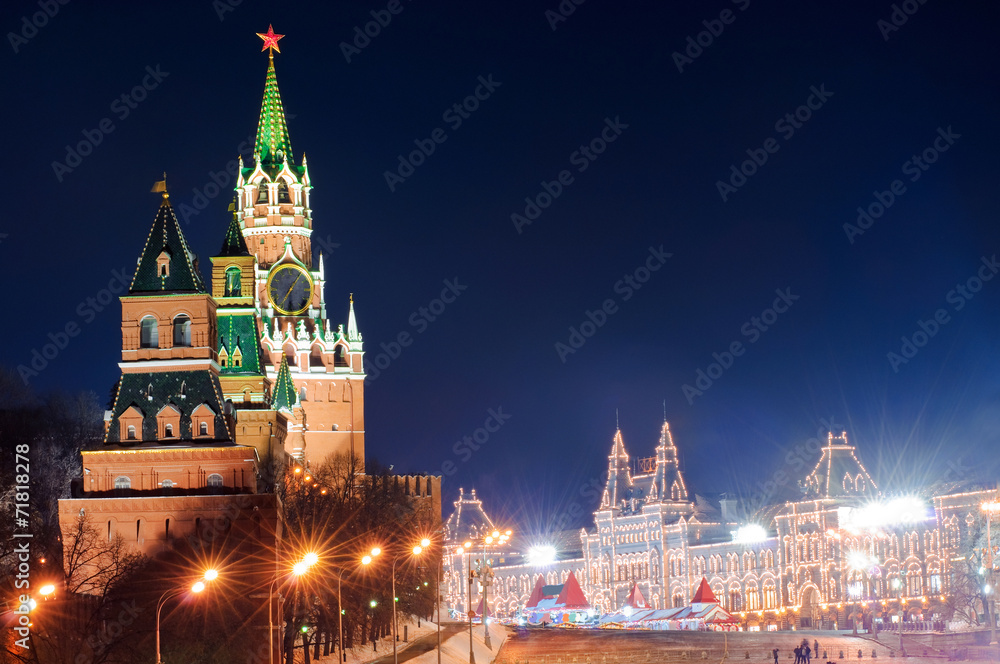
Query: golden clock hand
x=294 y=281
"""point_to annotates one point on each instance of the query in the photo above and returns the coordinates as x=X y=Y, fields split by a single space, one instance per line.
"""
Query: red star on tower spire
x=270 y=39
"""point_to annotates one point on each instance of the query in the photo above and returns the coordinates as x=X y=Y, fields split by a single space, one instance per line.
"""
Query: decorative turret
x=284 y=397
x=352 y=323
x=619 y=484
x=169 y=392
x=668 y=482
x=166 y=264
x=839 y=473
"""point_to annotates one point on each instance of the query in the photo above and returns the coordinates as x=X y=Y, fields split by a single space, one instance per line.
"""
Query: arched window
x=149 y=337
x=123 y=482
x=168 y=430
x=131 y=432
x=203 y=429
x=770 y=595
x=262 y=192
x=182 y=331
x=234 y=286
x=283 y=196
x=214 y=480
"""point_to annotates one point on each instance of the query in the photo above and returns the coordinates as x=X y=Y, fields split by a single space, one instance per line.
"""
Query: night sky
x=630 y=137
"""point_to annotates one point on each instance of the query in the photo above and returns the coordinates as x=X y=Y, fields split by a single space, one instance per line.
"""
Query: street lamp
x=209 y=575
x=467 y=546
x=416 y=551
x=365 y=560
x=859 y=561
x=298 y=569
x=898 y=586
x=486 y=578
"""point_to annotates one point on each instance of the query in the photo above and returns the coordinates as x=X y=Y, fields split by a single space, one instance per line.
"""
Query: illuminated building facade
x=802 y=564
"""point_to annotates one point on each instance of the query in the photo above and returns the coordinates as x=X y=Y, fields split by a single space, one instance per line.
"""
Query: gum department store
x=800 y=571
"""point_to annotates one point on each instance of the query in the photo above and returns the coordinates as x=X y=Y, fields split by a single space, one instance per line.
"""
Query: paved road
x=586 y=646
x=424 y=644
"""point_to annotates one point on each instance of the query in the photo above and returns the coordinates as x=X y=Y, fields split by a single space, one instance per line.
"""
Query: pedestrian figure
x=775 y=653
x=807 y=654
x=816 y=647
x=798 y=654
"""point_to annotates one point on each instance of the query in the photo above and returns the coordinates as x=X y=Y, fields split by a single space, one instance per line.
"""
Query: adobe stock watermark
x=957 y=297
x=381 y=18
x=122 y=106
x=223 y=7
x=562 y=12
x=798 y=459
x=582 y=158
x=110 y=631
x=626 y=287
x=454 y=115
x=217 y=182
x=87 y=311
x=900 y=14
x=752 y=330
x=714 y=28
x=30 y=25
x=420 y=320
x=786 y=125
x=464 y=448
x=914 y=167
x=590 y=491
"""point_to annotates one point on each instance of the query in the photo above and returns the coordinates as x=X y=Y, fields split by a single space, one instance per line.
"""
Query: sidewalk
x=363 y=653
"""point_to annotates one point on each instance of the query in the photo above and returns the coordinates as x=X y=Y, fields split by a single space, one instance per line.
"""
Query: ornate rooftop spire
x=284 y=389
x=166 y=263
x=273 y=146
x=352 y=323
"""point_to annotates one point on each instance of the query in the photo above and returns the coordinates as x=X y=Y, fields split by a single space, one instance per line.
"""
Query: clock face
x=290 y=289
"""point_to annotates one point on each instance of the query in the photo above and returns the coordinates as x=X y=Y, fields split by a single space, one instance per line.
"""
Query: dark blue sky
x=880 y=102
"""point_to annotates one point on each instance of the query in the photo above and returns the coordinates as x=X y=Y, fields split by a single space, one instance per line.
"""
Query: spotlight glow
x=542 y=555
x=881 y=514
x=751 y=533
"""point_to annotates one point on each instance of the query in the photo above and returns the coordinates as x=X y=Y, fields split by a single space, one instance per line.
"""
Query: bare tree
x=91 y=614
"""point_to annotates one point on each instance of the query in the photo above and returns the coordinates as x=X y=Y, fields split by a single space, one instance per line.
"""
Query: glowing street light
x=209 y=575
x=298 y=569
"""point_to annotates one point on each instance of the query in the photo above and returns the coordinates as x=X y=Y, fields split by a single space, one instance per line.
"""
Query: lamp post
x=417 y=550
x=298 y=569
x=898 y=585
x=859 y=562
x=471 y=575
x=210 y=575
x=340 y=609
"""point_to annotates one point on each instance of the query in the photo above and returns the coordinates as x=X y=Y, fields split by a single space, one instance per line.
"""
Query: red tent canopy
x=479 y=609
x=704 y=594
x=572 y=596
x=536 y=594
x=635 y=598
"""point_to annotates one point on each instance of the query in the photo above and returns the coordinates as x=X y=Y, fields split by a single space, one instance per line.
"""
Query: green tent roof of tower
x=234 y=244
x=166 y=240
x=240 y=331
x=273 y=144
x=185 y=391
x=284 y=396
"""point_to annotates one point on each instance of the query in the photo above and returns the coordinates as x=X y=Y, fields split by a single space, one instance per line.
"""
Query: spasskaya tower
x=322 y=388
